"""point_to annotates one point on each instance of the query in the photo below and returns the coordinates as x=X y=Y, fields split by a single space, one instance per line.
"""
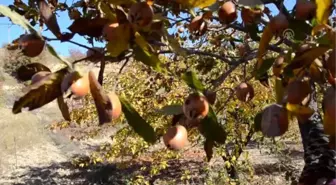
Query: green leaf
x=211 y=129
x=18 y=19
x=148 y=58
x=325 y=40
x=265 y=66
x=42 y=92
x=26 y=72
x=140 y=126
x=63 y=108
x=174 y=44
x=171 y=110
x=257 y=121
x=208 y=148
x=120 y=41
x=192 y=81
x=54 y=53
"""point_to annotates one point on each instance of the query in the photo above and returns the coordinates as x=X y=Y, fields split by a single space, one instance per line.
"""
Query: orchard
x=221 y=72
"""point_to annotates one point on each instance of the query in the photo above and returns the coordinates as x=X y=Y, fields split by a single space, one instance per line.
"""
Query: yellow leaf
x=299 y=109
x=116 y=48
x=264 y=42
x=120 y=41
x=279 y=90
x=140 y=40
x=106 y=12
x=323 y=11
x=197 y=3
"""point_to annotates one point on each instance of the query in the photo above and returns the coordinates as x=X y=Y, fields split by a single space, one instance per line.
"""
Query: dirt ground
x=32 y=154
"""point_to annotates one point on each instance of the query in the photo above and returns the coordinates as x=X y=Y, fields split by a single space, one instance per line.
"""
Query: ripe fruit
x=39 y=76
x=227 y=12
x=244 y=92
x=304 y=9
x=176 y=137
x=141 y=14
x=81 y=87
x=278 y=65
x=195 y=106
x=331 y=63
x=116 y=105
x=298 y=91
x=274 y=120
x=31 y=45
x=278 y=24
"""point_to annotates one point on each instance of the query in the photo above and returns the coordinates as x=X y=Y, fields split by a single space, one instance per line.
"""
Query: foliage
x=163 y=69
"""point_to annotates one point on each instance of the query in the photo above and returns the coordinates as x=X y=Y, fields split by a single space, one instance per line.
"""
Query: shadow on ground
x=67 y=173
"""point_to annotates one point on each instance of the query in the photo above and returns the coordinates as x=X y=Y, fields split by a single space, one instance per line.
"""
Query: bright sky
x=10 y=32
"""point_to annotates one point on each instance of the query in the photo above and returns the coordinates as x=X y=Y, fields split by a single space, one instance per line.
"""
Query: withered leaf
x=208 y=148
x=42 y=92
x=121 y=15
x=90 y=27
x=49 y=18
x=26 y=72
x=63 y=108
x=69 y=79
x=102 y=101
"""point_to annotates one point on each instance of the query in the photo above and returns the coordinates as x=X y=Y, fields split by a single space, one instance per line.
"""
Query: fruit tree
x=289 y=52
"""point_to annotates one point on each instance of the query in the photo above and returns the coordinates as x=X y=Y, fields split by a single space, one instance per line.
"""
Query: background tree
x=208 y=45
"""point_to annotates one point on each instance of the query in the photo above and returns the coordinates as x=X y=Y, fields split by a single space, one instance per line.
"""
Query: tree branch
x=216 y=83
x=196 y=52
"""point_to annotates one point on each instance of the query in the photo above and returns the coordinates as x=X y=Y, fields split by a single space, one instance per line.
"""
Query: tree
x=298 y=45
